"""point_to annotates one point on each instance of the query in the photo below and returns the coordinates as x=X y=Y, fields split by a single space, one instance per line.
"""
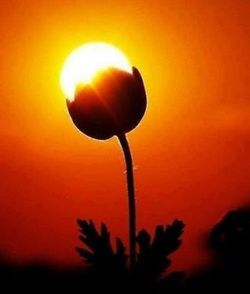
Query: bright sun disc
x=84 y=62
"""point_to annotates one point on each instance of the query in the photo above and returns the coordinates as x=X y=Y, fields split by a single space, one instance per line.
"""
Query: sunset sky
x=191 y=150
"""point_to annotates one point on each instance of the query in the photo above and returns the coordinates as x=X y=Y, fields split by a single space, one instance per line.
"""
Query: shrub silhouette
x=229 y=240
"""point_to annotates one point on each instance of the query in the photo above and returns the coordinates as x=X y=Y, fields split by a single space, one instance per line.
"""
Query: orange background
x=191 y=150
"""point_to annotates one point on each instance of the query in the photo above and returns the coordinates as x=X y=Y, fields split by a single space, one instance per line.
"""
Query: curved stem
x=131 y=198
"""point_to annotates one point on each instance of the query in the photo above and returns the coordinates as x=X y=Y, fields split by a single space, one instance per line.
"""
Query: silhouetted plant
x=113 y=104
x=152 y=258
x=230 y=238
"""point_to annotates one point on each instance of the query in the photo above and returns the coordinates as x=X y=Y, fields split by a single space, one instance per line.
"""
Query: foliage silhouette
x=229 y=240
x=100 y=254
x=153 y=255
x=152 y=258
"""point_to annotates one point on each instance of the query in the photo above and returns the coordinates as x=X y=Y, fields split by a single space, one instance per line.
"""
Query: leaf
x=100 y=254
x=143 y=239
x=153 y=258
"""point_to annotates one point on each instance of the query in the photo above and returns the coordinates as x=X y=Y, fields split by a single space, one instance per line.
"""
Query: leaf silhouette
x=98 y=251
x=153 y=259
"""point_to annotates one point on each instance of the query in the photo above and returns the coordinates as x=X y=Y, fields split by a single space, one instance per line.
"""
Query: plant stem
x=131 y=198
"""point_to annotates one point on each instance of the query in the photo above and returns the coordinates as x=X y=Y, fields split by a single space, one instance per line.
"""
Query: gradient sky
x=191 y=150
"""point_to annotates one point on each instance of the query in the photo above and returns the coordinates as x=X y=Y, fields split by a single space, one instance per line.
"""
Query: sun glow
x=86 y=61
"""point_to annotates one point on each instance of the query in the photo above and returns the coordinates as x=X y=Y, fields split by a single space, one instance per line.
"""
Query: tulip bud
x=112 y=104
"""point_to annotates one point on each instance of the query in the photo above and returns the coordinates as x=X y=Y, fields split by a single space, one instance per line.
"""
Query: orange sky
x=191 y=150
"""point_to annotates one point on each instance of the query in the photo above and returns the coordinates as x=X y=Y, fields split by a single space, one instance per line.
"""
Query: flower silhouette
x=112 y=104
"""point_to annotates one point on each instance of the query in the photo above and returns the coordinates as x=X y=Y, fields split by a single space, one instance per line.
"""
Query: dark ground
x=229 y=241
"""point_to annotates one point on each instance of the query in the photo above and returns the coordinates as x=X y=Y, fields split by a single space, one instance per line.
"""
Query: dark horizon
x=191 y=149
x=228 y=241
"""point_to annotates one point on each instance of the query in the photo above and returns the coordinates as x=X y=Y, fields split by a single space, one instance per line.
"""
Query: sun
x=86 y=61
